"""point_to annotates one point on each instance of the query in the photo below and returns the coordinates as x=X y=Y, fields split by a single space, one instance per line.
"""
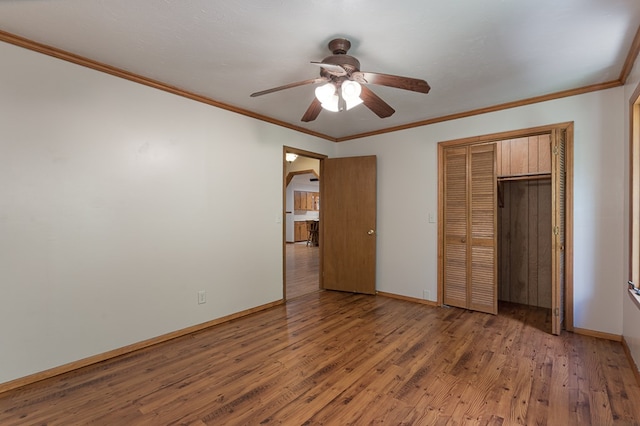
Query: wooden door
x=558 y=194
x=348 y=224
x=470 y=237
x=483 y=262
x=300 y=231
x=455 y=227
x=299 y=200
x=309 y=204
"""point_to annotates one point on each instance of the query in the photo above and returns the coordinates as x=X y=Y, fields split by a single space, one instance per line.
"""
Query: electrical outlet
x=432 y=218
x=202 y=297
x=426 y=294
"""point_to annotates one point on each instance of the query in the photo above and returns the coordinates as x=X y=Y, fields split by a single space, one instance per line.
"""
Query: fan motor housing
x=349 y=63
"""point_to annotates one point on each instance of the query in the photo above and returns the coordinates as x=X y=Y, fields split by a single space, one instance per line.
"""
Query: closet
x=502 y=228
x=524 y=220
x=524 y=242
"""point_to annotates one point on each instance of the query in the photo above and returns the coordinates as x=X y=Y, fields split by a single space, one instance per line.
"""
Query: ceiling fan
x=345 y=85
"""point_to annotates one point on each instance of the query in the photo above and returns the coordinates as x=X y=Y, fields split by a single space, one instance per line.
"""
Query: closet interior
x=524 y=220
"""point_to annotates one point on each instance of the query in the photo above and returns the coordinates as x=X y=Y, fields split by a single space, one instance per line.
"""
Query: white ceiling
x=305 y=180
x=473 y=53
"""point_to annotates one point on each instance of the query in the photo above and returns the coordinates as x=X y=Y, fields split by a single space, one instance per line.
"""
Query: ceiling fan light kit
x=345 y=85
x=330 y=96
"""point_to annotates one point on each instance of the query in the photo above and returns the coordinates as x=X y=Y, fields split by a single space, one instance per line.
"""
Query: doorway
x=346 y=222
x=524 y=241
x=302 y=215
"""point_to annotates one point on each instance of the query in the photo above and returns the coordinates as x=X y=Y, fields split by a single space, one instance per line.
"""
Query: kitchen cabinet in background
x=304 y=200
x=300 y=230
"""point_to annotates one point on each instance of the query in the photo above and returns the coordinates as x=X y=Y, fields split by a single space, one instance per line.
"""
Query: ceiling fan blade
x=313 y=111
x=336 y=70
x=375 y=103
x=290 y=85
x=406 y=83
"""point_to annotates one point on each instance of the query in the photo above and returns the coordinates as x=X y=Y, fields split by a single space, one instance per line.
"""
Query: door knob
x=371 y=232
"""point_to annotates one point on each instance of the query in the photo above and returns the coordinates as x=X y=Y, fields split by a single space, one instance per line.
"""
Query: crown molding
x=102 y=67
x=632 y=55
x=136 y=78
x=484 y=110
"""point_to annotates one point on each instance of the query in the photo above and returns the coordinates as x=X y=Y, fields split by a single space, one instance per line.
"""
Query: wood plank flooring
x=330 y=358
x=303 y=269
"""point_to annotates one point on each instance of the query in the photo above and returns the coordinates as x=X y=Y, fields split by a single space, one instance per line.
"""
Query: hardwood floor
x=303 y=269
x=338 y=358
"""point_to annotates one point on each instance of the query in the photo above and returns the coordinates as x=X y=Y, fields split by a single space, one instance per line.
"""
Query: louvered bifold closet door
x=482 y=275
x=559 y=176
x=455 y=227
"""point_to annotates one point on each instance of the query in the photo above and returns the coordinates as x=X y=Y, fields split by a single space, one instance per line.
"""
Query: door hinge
x=556 y=230
x=555 y=150
x=556 y=312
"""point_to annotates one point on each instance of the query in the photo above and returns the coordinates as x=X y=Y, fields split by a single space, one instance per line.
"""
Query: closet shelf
x=529 y=176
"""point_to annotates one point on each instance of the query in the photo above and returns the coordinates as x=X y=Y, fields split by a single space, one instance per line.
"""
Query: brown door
x=558 y=194
x=455 y=227
x=470 y=239
x=348 y=224
x=483 y=202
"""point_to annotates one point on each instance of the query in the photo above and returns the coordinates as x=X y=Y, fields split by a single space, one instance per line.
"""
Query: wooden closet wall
x=524 y=242
x=524 y=220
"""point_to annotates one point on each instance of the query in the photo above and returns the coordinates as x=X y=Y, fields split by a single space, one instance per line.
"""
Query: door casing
x=320 y=157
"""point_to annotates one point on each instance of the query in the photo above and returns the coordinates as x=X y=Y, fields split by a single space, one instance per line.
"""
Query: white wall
x=631 y=320
x=118 y=203
x=407 y=193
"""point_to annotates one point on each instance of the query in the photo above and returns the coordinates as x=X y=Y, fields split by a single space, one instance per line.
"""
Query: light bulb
x=291 y=157
x=351 y=89
x=326 y=92
x=351 y=93
x=328 y=97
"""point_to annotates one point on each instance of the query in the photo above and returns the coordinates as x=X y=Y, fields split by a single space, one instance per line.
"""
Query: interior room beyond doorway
x=302 y=210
